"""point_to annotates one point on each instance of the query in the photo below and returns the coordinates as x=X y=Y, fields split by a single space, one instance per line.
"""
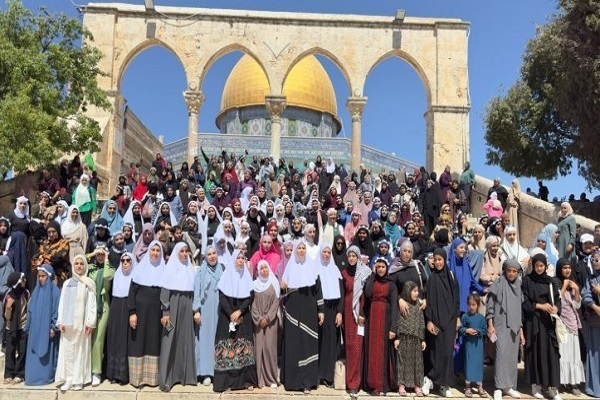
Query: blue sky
x=154 y=81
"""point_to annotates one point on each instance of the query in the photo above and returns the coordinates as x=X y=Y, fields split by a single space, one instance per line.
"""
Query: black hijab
x=339 y=256
x=442 y=296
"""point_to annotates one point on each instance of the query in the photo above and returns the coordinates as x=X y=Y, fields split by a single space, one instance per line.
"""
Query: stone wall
x=534 y=213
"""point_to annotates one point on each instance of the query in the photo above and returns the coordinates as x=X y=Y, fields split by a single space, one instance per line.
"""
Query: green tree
x=549 y=121
x=47 y=80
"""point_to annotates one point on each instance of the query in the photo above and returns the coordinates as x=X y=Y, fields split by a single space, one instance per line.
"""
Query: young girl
x=410 y=342
x=42 y=346
x=76 y=320
x=473 y=327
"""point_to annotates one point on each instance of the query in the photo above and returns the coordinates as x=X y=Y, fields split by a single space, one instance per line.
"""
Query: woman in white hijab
x=235 y=366
x=264 y=316
x=329 y=332
x=512 y=249
x=177 y=362
x=117 y=369
x=84 y=197
x=145 y=317
x=301 y=341
x=75 y=232
x=76 y=320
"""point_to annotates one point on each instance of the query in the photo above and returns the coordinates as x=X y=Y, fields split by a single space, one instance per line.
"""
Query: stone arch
x=226 y=50
x=325 y=53
x=133 y=53
x=410 y=60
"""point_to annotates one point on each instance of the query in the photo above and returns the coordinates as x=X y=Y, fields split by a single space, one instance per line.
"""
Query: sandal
x=418 y=392
x=8 y=381
x=468 y=392
x=17 y=380
x=402 y=391
x=483 y=393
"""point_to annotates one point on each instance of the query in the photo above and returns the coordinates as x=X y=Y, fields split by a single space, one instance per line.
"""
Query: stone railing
x=534 y=213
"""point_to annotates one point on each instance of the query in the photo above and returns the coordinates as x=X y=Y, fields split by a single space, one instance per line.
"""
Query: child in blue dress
x=473 y=328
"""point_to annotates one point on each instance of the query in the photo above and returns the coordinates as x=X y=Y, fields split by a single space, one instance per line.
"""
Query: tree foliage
x=550 y=119
x=47 y=81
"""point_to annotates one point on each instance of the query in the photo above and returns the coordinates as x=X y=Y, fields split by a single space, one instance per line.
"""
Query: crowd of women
x=264 y=275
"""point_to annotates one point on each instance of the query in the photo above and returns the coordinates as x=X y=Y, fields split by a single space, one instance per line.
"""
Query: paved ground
x=106 y=391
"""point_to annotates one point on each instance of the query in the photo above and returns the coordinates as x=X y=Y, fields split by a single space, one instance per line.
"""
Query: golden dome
x=306 y=86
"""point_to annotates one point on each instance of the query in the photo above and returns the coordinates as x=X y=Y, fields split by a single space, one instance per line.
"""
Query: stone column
x=275 y=106
x=194 y=100
x=447 y=137
x=355 y=106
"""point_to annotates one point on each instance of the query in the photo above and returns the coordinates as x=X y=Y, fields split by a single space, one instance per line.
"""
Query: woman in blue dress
x=42 y=346
x=206 y=308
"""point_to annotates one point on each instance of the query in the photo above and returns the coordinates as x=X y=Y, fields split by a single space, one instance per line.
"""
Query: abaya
x=442 y=310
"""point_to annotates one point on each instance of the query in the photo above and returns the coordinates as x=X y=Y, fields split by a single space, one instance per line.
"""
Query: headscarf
x=300 y=273
x=284 y=261
x=397 y=263
x=236 y=283
x=178 y=275
x=549 y=230
x=542 y=278
x=329 y=274
x=413 y=323
x=442 y=295
x=60 y=218
x=148 y=273
x=18 y=213
x=262 y=284
x=122 y=279
x=115 y=223
x=82 y=193
x=512 y=250
x=83 y=283
x=70 y=226
x=271 y=256
x=508 y=296
x=43 y=307
x=140 y=247
x=339 y=256
x=129 y=219
x=360 y=277
x=569 y=208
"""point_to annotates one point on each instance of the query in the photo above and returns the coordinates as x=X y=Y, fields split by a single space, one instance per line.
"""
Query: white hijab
x=330 y=275
x=178 y=275
x=69 y=226
x=82 y=193
x=262 y=284
x=147 y=273
x=236 y=283
x=300 y=273
x=122 y=279
x=18 y=213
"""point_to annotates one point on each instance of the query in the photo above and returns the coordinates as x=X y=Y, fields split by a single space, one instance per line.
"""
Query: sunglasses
x=125 y=259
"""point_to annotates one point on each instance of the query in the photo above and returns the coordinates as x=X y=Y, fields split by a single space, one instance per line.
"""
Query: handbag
x=559 y=326
x=339 y=375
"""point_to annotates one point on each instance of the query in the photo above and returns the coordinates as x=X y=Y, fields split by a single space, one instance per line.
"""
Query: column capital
x=194 y=100
x=275 y=106
x=355 y=106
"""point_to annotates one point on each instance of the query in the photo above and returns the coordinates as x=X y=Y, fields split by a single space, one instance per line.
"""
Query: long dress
x=235 y=363
x=380 y=309
x=300 y=338
x=206 y=301
x=117 y=368
x=592 y=337
x=265 y=305
x=145 y=339
x=473 y=346
x=103 y=278
x=542 y=364
x=567 y=227
x=503 y=302
x=74 y=363
x=410 y=334
x=177 y=362
x=571 y=367
x=442 y=310
x=42 y=351
x=354 y=342
x=330 y=338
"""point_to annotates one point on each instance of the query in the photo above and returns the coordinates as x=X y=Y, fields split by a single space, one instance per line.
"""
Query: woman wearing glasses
x=117 y=369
